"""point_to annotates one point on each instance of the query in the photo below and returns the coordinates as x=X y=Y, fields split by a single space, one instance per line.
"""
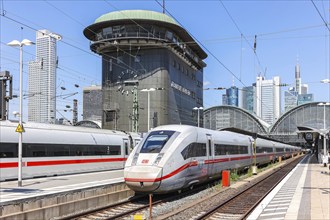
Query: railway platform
x=45 y=198
x=32 y=188
x=303 y=194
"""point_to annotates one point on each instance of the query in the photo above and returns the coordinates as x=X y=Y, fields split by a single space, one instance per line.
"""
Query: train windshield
x=156 y=141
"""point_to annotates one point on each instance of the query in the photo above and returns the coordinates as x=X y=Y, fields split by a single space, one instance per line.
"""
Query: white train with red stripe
x=50 y=150
x=173 y=157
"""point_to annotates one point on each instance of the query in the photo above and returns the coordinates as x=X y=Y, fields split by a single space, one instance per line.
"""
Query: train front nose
x=143 y=178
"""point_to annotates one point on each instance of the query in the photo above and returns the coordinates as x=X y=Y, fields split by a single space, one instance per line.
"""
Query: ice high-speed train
x=50 y=150
x=173 y=157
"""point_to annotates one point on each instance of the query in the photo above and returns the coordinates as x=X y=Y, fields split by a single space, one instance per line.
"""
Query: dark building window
x=110 y=115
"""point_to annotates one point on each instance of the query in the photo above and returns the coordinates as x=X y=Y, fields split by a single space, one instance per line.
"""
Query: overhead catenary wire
x=66 y=14
x=247 y=41
x=325 y=22
x=215 y=57
x=74 y=46
x=258 y=35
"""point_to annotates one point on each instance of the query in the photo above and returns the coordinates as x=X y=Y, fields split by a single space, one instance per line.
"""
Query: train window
x=264 y=149
x=114 y=150
x=156 y=141
x=78 y=150
x=8 y=150
x=58 y=150
x=194 y=150
x=279 y=149
x=38 y=150
x=225 y=149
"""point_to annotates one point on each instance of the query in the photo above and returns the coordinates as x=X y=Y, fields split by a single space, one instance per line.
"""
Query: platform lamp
x=198 y=108
x=16 y=43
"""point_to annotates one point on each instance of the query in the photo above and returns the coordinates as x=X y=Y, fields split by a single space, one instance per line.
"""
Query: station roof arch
x=310 y=115
x=224 y=116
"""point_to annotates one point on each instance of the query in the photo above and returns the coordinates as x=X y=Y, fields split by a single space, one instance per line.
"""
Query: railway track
x=137 y=204
x=240 y=205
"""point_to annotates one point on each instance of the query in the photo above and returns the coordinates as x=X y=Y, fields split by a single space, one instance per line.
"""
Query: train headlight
x=159 y=157
x=135 y=158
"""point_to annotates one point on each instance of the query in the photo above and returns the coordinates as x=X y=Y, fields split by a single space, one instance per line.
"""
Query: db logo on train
x=204 y=171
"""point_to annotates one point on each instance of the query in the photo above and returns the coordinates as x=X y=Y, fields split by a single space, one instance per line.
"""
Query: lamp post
x=198 y=108
x=148 y=91
x=324 y=134
x=16 y=43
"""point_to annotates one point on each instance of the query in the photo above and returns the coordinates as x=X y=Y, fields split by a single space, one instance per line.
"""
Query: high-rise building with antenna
x=298 y=79
x=297 y=95
x=42 y=79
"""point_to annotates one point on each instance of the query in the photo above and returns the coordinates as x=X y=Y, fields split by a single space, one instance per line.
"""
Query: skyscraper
x=297 y=95
x=267 y=103
x=290 y=99
x=246 y=98
x=232 y=96
x=42 y=79
x=298 y=79
x=304 y=89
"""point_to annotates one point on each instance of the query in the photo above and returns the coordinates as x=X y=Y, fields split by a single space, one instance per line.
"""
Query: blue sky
x=287 y=32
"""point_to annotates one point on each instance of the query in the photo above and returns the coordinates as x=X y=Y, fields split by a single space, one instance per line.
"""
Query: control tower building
x=152 y=70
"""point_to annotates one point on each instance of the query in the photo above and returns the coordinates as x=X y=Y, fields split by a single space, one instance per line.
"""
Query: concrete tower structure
x=150 y=75
x=42 y=79
x=92 y=103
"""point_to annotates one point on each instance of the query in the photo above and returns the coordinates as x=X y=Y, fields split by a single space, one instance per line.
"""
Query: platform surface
x=10 y=192
x=303 y=194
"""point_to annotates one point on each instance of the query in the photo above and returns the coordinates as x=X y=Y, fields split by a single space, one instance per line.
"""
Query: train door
x=196 y=155
x=210 y=155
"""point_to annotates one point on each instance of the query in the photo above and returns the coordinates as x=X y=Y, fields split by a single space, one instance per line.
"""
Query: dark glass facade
x=232 y=96
x=246 y=99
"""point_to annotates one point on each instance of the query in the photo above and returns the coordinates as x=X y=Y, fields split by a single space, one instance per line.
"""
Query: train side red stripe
x=185 y=166
x=60 y=162
x=8 y=164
